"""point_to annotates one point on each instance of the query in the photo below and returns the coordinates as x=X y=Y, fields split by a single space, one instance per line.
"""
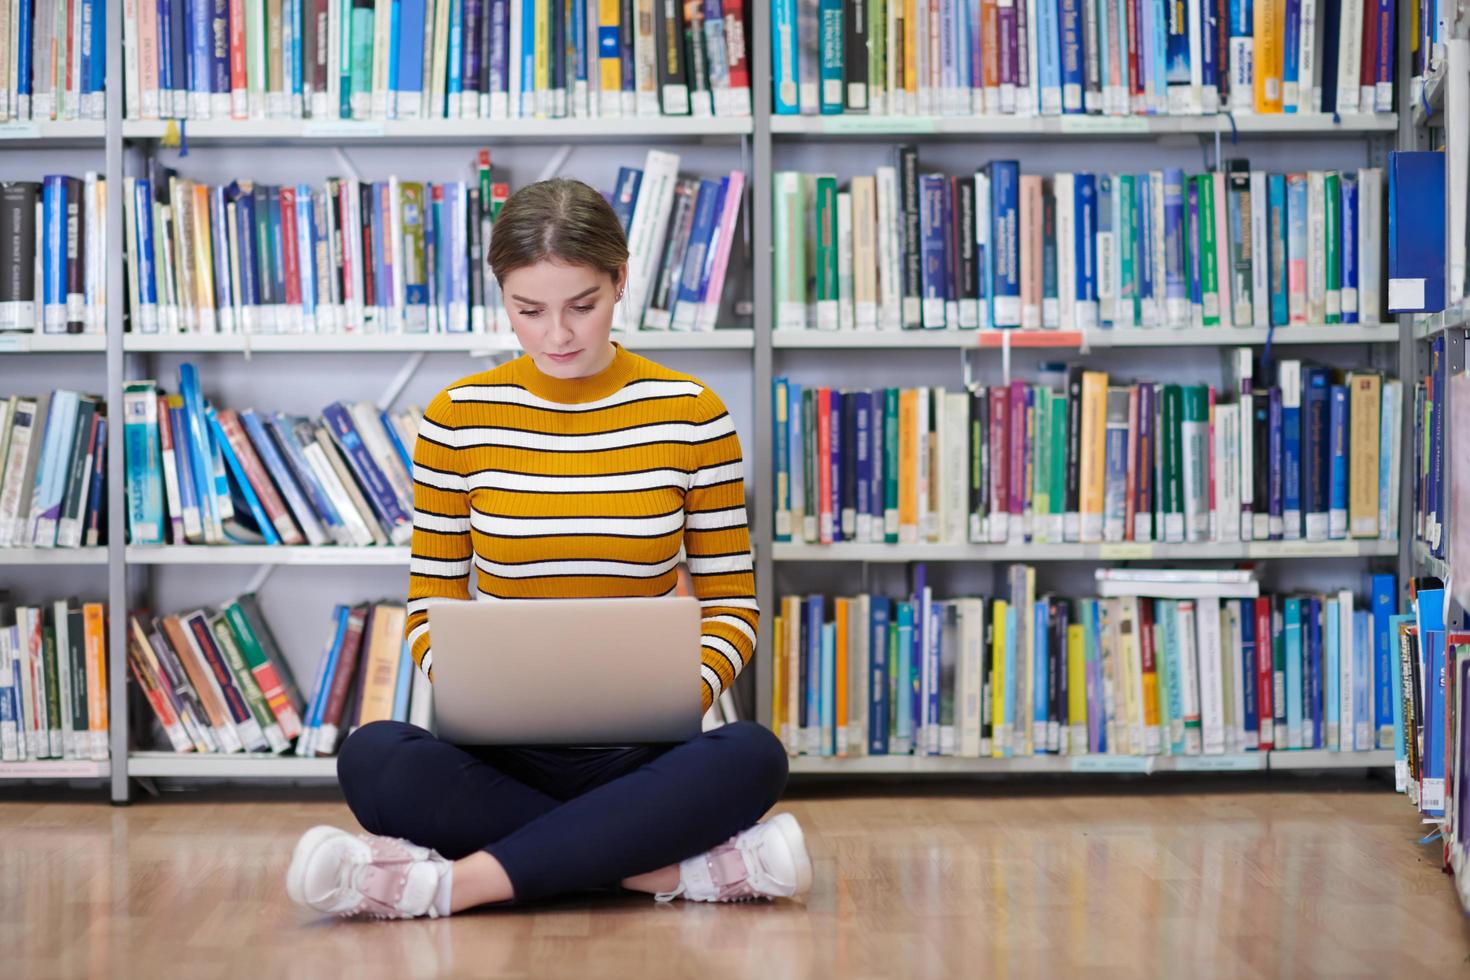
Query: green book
x=1125 y=308
x=361 y=80
x=260 y=710
x=52 y=681
x=1059 y=462
x=890 y=466
x=1194 y=444
x=1332 y=220
x=1209 y=269
x=825 y=234
x=809 y=460
x=272 y=685
x=76 y=654
x=1173 y=472
x=877 y=51
x=1042 y=452
x=789 y=238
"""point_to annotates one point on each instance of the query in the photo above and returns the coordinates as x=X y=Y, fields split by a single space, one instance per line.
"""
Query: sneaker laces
x=381 y=880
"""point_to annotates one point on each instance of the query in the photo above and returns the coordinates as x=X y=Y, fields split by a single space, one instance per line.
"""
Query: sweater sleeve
x=717 y=546
x=442 y=550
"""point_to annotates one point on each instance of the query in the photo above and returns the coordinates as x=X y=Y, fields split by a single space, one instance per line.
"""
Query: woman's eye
x=530 y=312
x=584 y=309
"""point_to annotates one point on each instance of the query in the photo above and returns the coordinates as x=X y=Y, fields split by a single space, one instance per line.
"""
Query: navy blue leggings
x=560 y=819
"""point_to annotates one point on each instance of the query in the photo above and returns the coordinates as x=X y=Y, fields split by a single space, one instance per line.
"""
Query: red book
x=1130 y=494
x=1265 y=672
x=734 y=21
x=291 y=255
x=1368 y=72
x=259 y=477
x=824 y=465
x=1135 y=79
x=1210 y=467
x=1020 y=449
x=342 y=677
x=239 y=79
x=1000 y=400
x=1149 y=658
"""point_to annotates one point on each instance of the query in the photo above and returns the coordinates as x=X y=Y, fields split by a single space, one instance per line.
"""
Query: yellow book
x=778 y=674
x=94 y=632
x=999 y=741
x=911 y=51
x=1093 y=450
x=1364 y=395
x=839 y=675
x=1077 y=688
x=542 y=62
x=1270 y=32
x=1130 y=677
x=380 y=670
x=794 y=653
x=908 y=466
x=610 y=67
x=203 y=259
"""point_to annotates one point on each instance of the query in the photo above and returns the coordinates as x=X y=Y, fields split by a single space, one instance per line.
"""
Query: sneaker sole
x=791 y=832
x=301 y=857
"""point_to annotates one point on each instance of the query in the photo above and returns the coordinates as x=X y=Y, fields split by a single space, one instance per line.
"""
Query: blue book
x=178 y=56
x=1296 y=244
x=23 y=59
x=833 y=462
x=284 y=477
x=403 y=683
x=1248 y=672
x=391 y=430
x=1363 y=739
x=1274 y=452
x=1396 y=680
x=1276 y=275
x=201 y=452
x=1429 y=607
x=811 y=679
x=242 y=482
x=53 y=257
x=165 y=59
x=1096 y=728
x=1041 y=674
x=861 y=453
x=1293 y=628
x=197 y=48
x=1005 y=242
x=50 y=477
x=376 y=488
x=785 y=50
x=879 y=612
x=903 y=706
x=1338 y=481
x=306 y=250
x=93 y=524
x=1382 y=592
x=1416 y=232
x=1312 y=709
x=828 y=690
x=499 y=55
x=1193 y=257
x=933 y=250
x=219 y=60
x=321 y=687
x=1048 y=52
x=917 y=658
x=1158 y=55
x=244 y=205
x=1291 y=62
x=1315 y=451
x=143 y=464
x=1085 y=214
x=1176 y=55
x=1209 y=64
x=876 y=453
x=410 y=64
x=189 y=493
x=1012 y=668
x=276 y=239
x=707 y=208
x=830 y=55
x=224 y=298
x=1291 y=449
x=454 y=83
x=1143 y=250
x=1332 y=675
x=1348 y=249
x=1176 y=294
x=625 y=194
x=934 y=676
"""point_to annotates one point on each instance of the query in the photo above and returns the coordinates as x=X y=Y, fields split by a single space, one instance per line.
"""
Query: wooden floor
x=1299 y=878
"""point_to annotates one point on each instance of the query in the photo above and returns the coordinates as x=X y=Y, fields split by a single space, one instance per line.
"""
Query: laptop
x=567 y=671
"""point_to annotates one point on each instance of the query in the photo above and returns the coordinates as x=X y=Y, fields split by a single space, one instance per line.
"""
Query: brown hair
x=557 y=219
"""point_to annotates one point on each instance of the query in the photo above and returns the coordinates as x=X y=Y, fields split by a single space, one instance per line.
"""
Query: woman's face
x=562 y=315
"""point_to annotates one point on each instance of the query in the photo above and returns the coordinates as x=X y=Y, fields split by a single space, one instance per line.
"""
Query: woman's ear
x=620 y=281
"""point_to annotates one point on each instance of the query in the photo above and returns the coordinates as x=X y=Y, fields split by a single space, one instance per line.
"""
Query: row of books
x=1090 y=460
x=216 y=680
x=1002 y=249
x=1438 y=397
x=1162 y=662
x=53 y=470
x=53 y=59
x=198 y=474
x=397 y=256
x=1055 y=57
x=53 y=681
x=434 y=59
x=1433 y=660
x=53 y=254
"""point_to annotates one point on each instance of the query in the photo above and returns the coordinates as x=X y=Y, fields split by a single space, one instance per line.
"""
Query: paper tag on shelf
x=1103 y=124
x=339 y=128
x=20 y=130
x=1112 y=763
x=1125 y=550
x=1303 y=549
x=878 y=124
x=1236 y=762
x=14 y=343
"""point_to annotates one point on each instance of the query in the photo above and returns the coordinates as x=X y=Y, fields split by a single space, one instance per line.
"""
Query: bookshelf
x=739 y=362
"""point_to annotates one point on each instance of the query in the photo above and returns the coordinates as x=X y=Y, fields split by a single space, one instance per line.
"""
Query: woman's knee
x=365 y=759
x=761 y=755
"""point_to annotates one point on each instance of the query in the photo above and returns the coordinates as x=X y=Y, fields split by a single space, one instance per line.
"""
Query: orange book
x=839 y=676
x=1031 y=245
x=911 y=52
x=94 y=633
x=1093 y=464
x=1270 y=35
x=908 y=466
x=205 y=686
x=990 y=53
x=824 y=465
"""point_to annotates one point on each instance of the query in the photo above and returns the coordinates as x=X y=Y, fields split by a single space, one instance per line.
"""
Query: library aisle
x=1242 y=879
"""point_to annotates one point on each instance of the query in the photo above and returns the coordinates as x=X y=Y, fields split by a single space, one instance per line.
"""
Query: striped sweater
x=573 y=488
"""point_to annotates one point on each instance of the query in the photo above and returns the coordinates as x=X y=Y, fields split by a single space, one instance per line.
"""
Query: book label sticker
x=14 y=343
x=1405 y=295
x=1125 y=550
x=1236 y=762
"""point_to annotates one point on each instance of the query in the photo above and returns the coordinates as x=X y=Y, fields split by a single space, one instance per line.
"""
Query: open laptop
x=566 y=671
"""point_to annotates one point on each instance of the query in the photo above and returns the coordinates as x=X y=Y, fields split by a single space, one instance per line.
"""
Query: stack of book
x=435 y=59
x=397 y=256
x=1313 y=457
x=53 y=471
x=1162 y=662
x=1055 y=57
x=53 y=254
x=53 y=59
x=197 y=474
x=1076 y=251
x=216 y=681
x=53 y=681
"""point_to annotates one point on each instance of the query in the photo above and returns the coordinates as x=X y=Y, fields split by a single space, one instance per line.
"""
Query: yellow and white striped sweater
x=555 y=488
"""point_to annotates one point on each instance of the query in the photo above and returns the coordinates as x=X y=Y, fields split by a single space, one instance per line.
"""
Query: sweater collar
x=572 y=391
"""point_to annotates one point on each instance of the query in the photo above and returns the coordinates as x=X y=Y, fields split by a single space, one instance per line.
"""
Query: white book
x=353 y=520
x=969 y=683
x=646 y=233
x=983 y=257
x=845 y=299
x=1211 y=692
x=1155 y=312
x=1132 y=649
x=1349 y=56
x=955 y=464
x=859 y=658
x=1346 y=720
x=1108 y=266
x=1188 y=665
x=890 y=283
x=12 y=741
x=1195 y=457
x=1063 y=190
x=1457 y=146
x=865 y=253
x=1260 y=252
x=1316 y=247
x=375 y=438
x=33 y=693
x=1370 y=221
x=1243 y=739
x=1227 y=472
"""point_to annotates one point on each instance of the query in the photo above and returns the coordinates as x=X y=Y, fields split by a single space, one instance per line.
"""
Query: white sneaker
x=768 y=860
x=346 y=874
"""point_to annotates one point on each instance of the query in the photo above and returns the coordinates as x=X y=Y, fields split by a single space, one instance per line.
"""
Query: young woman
x=576 y=470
